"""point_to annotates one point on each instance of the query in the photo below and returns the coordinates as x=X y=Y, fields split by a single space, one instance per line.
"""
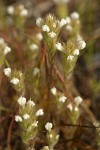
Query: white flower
x=36 y=71
x=81 y=44
x=23 y=13
x=18 y=118
x=2 y=42
x=15 y=81
x=62 y=22
x=69 y=27
x=70 y=107
x=54 y=91
x=7 y=71
x=96 y=124
x=7 y=50
x=48 y=126
x=33 y=47
x=62 y=99
x=75 y=15
x=39 y=22
x=26 y=116
x=50 y=135
x=68 y=20
x=45 y=28
x=30 y=103
x=39 y=36
x=10 y=10
x=21 y=101
x=78 y=100
x=52 y=34
x=59 y=46
x=70 y=57
x=76 y=52
x=39 y=112
x=35 y=124
x=76 y=109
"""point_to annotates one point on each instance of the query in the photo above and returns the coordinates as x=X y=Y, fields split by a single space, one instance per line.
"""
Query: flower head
x=21 y=101
x=10 y=10
x=33 y=47
x=36 y=71
x=26 y=116
x=62 y=99
x=39 y=112
x=52 y=34
x=18 y=118
x=39 y=22
x=30 y=103
x=81 y=44
x=78 y=100
x=45 y=28
x=7 y=50
x=48 y=126
x=70 y=107
x=75 y=15
x=70 y=57
x=76 y=52
x=62 y=22
x=7 y=71
x=59 y=46
x=23 y=13
x=54 y=91
x=15 y=81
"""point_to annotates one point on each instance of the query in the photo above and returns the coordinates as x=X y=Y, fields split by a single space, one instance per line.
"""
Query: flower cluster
x=18 y=10
x=27 y=117
x=4 y=47
x=59 y=97
x=19 y=14
x=52 y=136
x=16 y=78
x=78 y=101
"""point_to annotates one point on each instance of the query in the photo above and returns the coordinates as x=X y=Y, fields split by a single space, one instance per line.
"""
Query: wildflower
x=15 y=81
x=52 y=34
x=54 y=91
x=18 y=118
x=2 y=42
x=68 y=20
x=76 y=109
x=39 y=112
x=35 y=124
x=70 y=57
x=78 y=100
x=62 y=22
x=69 y=27
x=30 y=103
x=10 y=10
x=7 y=50
x=33 y=47
x=45 y=28
x=76 y=52
x=39 y=22
x=26 y=116
x=59 y=46
x=21 y=101
x=75 y=15
x=48 y=126
x=7 y=71
x=70 y=107
x=81 y=44
x=36 y=71
x=24 y=13
x=62 y=99
x=39 y=36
